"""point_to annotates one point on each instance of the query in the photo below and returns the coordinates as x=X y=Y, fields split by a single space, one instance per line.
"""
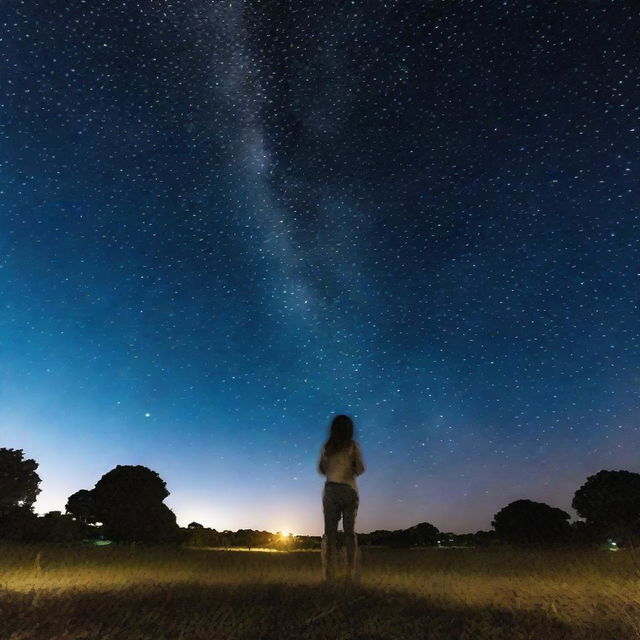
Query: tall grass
x=73 y=593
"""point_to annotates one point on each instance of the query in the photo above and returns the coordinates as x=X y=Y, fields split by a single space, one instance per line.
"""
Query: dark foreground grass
x=164 y=594
x=266 y=612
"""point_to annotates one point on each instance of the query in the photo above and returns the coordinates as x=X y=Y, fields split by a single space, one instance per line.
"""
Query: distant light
x=147 y=415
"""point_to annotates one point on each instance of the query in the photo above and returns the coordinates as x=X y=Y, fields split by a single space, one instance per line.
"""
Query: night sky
x=223 y=222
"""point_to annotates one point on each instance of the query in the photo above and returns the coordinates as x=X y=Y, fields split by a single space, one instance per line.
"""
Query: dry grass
x=111 y=593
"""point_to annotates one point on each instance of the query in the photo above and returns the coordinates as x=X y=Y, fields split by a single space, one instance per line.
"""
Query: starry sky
x=222 y=222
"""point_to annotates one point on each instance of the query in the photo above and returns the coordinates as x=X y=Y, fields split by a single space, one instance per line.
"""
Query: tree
x=483 y=538
x=19 y=524
x=423 y=534
x=132 y=483
x=583 y=533
x=202 y=537
x=131 y=522
x=528 y=522
x=18 y=481
x=57 y=527
x=82 y=507
x=128 y=500
x=610 y=502
x=195 y=525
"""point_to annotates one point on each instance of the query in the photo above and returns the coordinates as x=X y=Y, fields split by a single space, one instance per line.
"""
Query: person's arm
x=358 y=463
x=322 y=463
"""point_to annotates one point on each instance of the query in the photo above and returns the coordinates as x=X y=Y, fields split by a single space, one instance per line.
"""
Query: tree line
x=127 y=505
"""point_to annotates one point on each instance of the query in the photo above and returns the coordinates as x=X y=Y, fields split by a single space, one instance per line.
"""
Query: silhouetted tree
x=134 y=483
x=202 y=537
x=384 y=537
x=400 y=538
x=136 y=522
x=58 y=527
x=81 y=506
x=483 y=538
x=477 y=539
x=583 y=533
x=128 y=501
x=528 y=522
x=422 y=534
x=194 y=525
x=18 y=481
x=19 y=524
x=610 y=503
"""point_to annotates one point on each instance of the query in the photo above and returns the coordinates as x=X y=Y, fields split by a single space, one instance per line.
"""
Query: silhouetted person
x=340 y=461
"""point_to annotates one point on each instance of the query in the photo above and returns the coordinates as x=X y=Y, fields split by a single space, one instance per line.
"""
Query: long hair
x=340 y=435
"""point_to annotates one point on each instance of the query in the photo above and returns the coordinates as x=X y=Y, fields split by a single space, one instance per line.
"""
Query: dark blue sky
x=223 y=222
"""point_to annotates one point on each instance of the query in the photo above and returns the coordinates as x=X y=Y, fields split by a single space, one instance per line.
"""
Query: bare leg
x=350 y=539
x=332 y=513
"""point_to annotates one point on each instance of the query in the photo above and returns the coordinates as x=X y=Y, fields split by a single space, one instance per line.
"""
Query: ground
x=134 y=593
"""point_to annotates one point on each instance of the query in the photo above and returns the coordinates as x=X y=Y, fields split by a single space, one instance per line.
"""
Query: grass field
x=120 y=593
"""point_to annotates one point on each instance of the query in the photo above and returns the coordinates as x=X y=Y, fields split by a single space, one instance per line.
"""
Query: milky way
x=223 y=222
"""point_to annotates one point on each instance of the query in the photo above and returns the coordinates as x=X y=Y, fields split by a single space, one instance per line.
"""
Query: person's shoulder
x=356 y=449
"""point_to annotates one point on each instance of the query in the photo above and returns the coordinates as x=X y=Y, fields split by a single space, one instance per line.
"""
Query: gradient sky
x=223 y=222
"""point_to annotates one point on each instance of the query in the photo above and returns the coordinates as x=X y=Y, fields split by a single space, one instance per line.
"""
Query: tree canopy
x=610 y=502
x=81 y=506
x=128 y=501
x=18 y=480
x=423 y=534
x=528 y=522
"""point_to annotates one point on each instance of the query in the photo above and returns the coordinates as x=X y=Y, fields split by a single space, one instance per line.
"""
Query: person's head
x=340 y=434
